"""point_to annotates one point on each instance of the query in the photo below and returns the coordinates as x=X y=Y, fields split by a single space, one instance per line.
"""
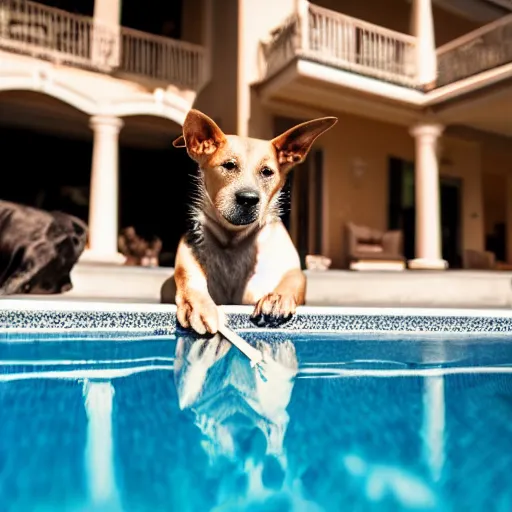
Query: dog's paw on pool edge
x=274 y=310
x=199 y=313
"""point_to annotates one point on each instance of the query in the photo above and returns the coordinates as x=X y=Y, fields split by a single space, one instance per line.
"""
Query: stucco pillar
x=207 y=39
x=104 y=195
x=428 y=207
x=422 y=26
x=105 y=49
x=302 y=7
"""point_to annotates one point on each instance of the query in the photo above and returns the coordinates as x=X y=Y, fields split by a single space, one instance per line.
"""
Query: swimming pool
x=109 y=408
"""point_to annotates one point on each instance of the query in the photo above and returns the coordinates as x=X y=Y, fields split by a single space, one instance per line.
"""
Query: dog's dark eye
x=267 y=172
x=230 y=165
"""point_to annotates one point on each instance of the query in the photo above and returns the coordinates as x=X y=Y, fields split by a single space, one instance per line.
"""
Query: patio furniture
x=478 y=260
x=483 y=260
x=373 y=249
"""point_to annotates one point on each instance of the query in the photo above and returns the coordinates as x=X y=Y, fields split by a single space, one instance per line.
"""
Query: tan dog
x=237 y=250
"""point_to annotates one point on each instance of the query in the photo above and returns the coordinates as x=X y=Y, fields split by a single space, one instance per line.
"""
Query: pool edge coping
x=34 y=305
x=19 y=315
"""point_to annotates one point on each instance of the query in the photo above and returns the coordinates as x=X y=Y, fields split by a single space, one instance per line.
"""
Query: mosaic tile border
x=52 y=316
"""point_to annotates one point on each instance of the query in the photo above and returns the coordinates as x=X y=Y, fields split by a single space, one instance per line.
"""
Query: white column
x=104 y=194
x=422 y=26
x=428 y=207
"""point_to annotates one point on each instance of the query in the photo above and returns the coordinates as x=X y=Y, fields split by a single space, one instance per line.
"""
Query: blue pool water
x=359 y=423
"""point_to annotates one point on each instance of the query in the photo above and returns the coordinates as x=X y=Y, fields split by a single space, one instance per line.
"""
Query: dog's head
x=243 y=176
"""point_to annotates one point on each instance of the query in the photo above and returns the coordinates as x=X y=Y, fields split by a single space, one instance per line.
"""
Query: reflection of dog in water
x=243 y=417
x=240 y=411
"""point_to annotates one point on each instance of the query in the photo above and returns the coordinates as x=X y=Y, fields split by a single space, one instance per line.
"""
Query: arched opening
x=156 y=182
x=46 y=150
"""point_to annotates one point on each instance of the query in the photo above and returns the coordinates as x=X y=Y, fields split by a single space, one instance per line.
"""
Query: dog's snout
x=244 y=207
x=247 y=198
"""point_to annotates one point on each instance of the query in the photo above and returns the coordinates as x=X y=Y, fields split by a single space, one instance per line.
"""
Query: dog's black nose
x=247 y=198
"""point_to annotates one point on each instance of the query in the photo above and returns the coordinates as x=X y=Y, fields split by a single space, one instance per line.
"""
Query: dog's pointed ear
x=293 y=146
x=201 y=135
x=179 y=142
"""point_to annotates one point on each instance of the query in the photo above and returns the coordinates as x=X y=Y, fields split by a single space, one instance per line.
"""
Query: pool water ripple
x=149 y=424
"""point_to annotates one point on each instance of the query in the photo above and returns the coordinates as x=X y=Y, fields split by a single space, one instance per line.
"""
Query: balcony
x=481 y=50
x=60 y=37
x=333 y=39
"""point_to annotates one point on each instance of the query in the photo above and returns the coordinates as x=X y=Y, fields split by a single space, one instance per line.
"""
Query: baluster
x=182 y=74
x=165 y=57
x=69 y=37
x=325 y=43
x=147 y=55
x=332 y=40
x=182 y=67
x=388 y=60
x=373 y=49
x=24 y=29
x=139 y=56
x=346 y=51
x=186 y=55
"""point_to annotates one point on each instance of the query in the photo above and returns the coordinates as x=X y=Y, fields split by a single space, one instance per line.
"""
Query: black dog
x=38 y=249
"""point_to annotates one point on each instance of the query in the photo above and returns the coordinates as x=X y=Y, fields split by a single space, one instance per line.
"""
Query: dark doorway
x=46 y=171
x=301 y=205
x=301 y=199
x=450 y=220
x=402 y=212
x=401 y=202
x=496 y=241
x=494 y=188
x=156 y=188
x=317 y=184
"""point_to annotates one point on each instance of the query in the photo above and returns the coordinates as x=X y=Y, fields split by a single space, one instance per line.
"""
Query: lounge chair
x=373 y=249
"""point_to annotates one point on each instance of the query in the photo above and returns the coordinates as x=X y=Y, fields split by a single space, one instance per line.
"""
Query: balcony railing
x=37 y=30
x=486 y=48
x=343 y=42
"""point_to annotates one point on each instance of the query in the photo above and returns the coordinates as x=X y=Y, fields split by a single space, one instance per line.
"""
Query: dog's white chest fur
x=240 y=273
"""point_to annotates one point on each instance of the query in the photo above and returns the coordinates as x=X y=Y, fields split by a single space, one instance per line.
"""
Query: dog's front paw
x=198 y=312
x=273 y=310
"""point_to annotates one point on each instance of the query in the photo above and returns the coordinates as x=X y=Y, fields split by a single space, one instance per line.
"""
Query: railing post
x=303 y=12
x=106 y=35
x=423 y=28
